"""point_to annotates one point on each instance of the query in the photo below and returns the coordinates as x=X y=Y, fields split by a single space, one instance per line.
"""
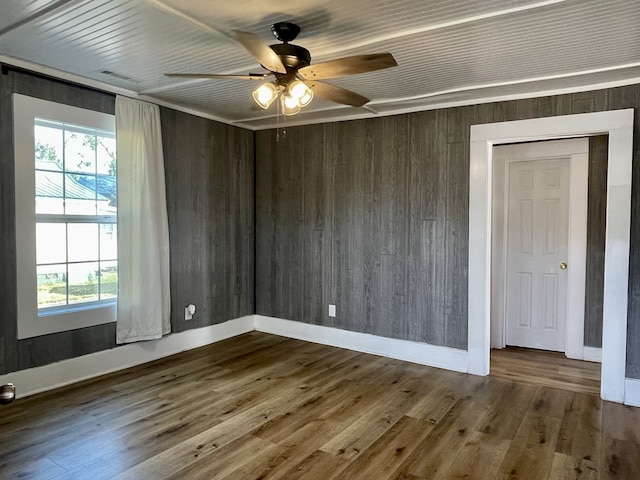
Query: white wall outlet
x=189 y=310
x=332 y=310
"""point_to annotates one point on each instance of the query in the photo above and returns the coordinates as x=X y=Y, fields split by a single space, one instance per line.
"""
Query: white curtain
x=143 y=233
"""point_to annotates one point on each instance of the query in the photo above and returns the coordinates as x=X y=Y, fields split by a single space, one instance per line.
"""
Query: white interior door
x=537 y=247
x=540 y=226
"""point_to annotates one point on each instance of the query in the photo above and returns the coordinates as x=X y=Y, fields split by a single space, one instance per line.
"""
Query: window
x=66 y=213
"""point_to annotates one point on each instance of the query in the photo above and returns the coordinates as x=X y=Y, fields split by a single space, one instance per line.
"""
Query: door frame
x=576 y=248
x=618 y=125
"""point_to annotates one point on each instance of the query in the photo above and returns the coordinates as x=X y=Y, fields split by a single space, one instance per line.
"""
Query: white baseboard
x=632 y=392
x=65 y=372
x=48 y=377
x=422 y=353
x=592 y=354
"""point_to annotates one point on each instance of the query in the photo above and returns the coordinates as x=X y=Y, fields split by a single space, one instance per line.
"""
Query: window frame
x=31 y=323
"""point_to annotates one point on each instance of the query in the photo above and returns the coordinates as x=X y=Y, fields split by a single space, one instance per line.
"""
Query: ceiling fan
x=291 y=75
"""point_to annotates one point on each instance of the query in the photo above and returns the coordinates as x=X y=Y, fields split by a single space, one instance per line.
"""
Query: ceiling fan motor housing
x=292 y=56
x=285 y=31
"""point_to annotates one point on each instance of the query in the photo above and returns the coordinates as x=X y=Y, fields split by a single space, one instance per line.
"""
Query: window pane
x=108 y=241
x=49 y=192
x=49 y=205
x=83 y=282
x=83 y=241
x=52 y=285
x=107 y=195
x=108 y=280
x=48 y=148
x=106 y=152
x=79 y=150
x=51 y=243
x=80 y=194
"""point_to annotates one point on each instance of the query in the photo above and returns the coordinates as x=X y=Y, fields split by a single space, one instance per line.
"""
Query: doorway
x=618 y=125
x=539 y=232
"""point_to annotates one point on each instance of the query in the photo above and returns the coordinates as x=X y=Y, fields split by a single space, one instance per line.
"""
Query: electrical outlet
x=189 y=310
x=332 y=310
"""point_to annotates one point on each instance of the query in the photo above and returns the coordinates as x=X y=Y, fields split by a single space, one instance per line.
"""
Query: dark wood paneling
x=210 y=175
x=397 y=195
x=596 y=223
x=394 y=226
x=209 y=180
x=391 y=243
x=8 y=301
x=633 y=326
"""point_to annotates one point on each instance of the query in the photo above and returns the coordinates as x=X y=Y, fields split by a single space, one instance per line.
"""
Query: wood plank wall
x=209 y=172
x=372 y=215
x=596 y=220
x=210 y=176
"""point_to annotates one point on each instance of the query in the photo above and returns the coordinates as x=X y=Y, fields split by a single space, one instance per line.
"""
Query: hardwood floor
x=552 y=369
x=263 y=407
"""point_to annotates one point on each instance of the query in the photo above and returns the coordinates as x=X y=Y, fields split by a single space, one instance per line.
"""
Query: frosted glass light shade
x=290 y=105
x=301 y=91
x=265 y=94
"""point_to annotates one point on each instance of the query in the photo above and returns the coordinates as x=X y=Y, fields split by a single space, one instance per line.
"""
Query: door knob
x=563 y=266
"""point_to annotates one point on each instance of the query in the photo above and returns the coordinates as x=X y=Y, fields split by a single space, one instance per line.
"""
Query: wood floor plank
x=539 y=367
x=277 y=462
x=436 y=453
x=549 y=401
x=368 y=427
x=504 y=416
x=621 y=422
x=385 y=455
x=42 y=468
x=567 y=467
x=222 y=462
x=479 y=459
x=297 y=416
x=530 y=454
x=264 y=406
x=434 y=405
x=621 y=460
x=213 y=438
x=581 y=429
x=144 y=438
x=86 y=435
x=316 y=466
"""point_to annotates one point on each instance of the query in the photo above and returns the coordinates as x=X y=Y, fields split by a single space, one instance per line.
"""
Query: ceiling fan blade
x=251 y=76
x=337 y=94
x=348 y=66
x=263 y=53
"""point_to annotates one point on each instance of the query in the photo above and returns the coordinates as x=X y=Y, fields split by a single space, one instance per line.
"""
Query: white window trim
x=25 y=111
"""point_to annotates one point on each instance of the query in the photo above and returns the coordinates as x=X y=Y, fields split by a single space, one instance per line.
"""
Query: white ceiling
x=449 y=52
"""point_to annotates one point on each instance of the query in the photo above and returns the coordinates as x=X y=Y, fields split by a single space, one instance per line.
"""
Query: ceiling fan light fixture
x=290 y=105
x=289 y=65
x=301 y=91
x=265 y=94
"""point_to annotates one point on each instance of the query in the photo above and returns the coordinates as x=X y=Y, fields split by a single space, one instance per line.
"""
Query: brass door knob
x=563 y=266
